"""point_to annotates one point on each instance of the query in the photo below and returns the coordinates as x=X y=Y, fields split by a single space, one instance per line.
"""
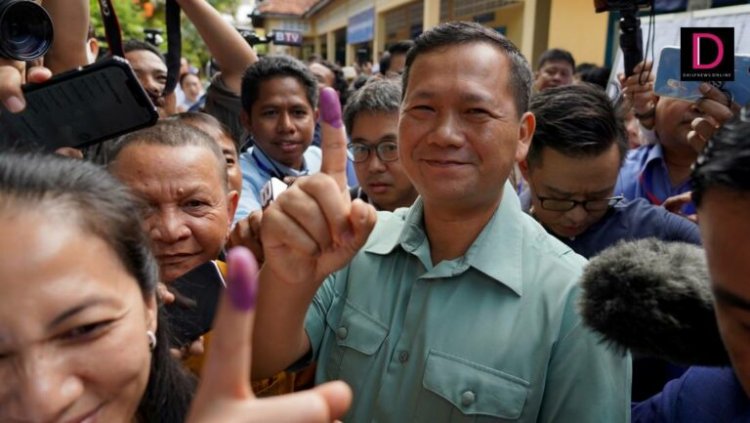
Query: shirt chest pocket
x=458 y=390
x=357 y=338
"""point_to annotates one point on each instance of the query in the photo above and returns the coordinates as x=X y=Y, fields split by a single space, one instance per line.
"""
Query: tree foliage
x=133 y=22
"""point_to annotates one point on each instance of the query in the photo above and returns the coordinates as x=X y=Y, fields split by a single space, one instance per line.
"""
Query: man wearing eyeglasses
x=572 y=167
x=371 y=118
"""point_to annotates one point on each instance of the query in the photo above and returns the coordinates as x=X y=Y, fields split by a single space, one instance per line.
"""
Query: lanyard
x=273 y=170
x=645 y=182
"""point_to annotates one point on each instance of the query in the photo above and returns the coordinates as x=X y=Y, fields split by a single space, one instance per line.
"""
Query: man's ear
x=525 y=134
x=317 y=114
x=523 y=166
x=245 y=121
x=152 y=311
x=233 y=199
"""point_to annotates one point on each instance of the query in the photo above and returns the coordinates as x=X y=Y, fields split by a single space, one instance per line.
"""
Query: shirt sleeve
x=587 y=380
x=627 y=179
x=224 y=105
x=658 y=408
x=678 y=228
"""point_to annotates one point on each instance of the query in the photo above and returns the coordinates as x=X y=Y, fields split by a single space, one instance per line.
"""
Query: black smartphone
x=79 y=108
x=197 y=296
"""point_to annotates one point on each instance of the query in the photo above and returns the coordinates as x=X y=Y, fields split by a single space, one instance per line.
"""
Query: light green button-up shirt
x=491 y=336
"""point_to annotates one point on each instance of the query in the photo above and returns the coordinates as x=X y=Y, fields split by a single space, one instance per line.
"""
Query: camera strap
x=111 y=28
x=174 y=38
x=174 y=45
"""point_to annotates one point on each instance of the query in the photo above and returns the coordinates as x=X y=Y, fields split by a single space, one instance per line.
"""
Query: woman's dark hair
x=94 y=200
x=725 y=162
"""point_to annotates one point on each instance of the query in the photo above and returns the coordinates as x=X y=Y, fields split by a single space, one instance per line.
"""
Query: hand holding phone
x=669 y=84
x=192 y=312
x=75 y=108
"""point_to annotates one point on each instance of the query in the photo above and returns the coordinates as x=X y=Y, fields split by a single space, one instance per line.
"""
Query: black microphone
x=654 y=298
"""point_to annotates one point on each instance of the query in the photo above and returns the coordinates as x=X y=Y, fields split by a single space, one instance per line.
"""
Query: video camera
x=153 y=36
x=631 y=38
x=25 y=30
x=251 y=37
x=280 y=37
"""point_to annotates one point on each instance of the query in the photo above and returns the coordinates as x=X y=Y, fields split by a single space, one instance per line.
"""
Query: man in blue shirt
x=722 y=194
x=661 y=169
x=279 y=109
x=572 y=168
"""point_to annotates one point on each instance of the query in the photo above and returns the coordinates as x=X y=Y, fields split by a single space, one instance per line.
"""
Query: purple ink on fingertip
x=242 y=284
x=330 y=107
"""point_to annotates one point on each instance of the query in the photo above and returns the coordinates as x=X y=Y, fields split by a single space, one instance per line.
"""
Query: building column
x=318 y=45
x=350 y=54
x=431 y=14
x=378 y=36
x=331 y=46
x=536 y=14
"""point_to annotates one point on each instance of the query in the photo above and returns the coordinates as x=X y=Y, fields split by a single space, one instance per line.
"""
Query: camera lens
x=25 y=30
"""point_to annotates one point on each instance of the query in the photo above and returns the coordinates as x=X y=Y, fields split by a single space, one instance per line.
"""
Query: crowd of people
x=429 y=224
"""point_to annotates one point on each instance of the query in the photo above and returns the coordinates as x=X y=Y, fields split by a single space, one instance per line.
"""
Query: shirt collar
x=655 y=154
x=497 y=251
x=267 y=161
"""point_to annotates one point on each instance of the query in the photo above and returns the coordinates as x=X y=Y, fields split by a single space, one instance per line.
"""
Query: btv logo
x=707 y=54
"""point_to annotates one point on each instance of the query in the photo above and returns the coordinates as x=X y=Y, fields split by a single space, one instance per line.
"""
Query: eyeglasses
x=387 y=151
x=554 y=204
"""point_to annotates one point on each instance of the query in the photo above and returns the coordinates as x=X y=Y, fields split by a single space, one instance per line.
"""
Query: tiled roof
x=285 y=7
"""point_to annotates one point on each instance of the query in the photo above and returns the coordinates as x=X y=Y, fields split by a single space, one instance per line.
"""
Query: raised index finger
x=333 y=137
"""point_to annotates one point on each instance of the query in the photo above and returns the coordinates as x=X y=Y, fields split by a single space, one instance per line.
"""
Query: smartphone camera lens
x=25 y=30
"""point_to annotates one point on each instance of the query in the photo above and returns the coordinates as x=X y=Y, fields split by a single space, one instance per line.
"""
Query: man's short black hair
x=556 y=55
x=277 y=66
x=725 y=162
x=376 y=96
x=460 y=33
x=576 y=121
x=401 y=47
x=385 y=63
x=135 y=45
x=339 y=80
x=597 y=75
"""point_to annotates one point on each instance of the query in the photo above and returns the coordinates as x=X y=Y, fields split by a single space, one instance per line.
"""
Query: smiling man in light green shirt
x=460 y=308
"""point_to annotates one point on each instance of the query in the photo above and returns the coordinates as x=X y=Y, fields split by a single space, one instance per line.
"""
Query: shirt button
x=403 y=356
x=342 y=332
x=468 y=398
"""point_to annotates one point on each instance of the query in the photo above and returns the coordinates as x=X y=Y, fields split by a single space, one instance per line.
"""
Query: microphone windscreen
x=654 y=298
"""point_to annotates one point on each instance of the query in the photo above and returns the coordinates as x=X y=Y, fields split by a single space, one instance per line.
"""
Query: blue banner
x=361 y=27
